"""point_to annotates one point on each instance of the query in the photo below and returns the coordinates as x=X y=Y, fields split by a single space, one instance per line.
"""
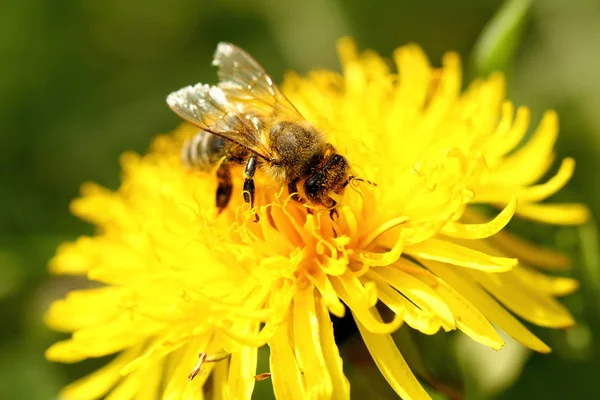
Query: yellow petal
x=194 y=390
x=177 y=385
x=505 y=143
x=286 y=376
x=552 y=285
x=526 y=252
x=143 y=383
x=359 y=301
x=480 y=231
x=242 y=370
x=346 y=49
x=151 y=386
x=309 y=355
x=331 y=354
x=412 y=90
x=500 y=135
x=85 y=308
x=219 y=379
x=65 y=351
x=120 y=333
x=328 y=293
x=504 y=193
x=445 y=95
x=101 y=206
x=556 y=214
x=373 y=259
x=387 y=226
x=391 y=363
x=333 y=267
x=126 y=389
x=162 y=345
x=172 y=362
x=440 y=250
x=557 y=182
x=530 y=162
x=414 y=78
x=98 y=383
x=527 y=302
x=70 y=259
x=493 y=311
x=468 y=317
x=421 y=320
x=416 y=291
x=280 y=298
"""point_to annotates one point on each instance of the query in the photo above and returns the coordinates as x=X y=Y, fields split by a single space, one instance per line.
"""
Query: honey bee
x=245 y=119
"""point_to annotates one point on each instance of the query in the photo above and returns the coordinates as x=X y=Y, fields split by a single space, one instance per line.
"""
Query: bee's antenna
x=353 y=178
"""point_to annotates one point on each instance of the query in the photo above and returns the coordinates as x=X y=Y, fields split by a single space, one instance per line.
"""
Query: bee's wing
x=245 y=82
x=208 y=108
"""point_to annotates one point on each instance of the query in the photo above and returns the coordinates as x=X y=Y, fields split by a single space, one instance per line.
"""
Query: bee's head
x=331 y=178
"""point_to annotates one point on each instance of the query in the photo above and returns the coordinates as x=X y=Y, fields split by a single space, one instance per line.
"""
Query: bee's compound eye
x=314 y=187
x=312 y=184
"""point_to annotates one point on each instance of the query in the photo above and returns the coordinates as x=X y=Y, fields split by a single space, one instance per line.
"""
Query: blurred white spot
x=492 y=371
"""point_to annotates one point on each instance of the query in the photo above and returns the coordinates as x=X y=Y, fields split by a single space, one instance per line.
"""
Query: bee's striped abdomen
x=203 y=151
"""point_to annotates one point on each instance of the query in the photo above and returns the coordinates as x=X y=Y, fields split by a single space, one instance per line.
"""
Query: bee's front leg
x=333 y=212
x=249 y=190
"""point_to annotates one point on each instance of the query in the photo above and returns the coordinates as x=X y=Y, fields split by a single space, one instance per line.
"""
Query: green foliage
x=498 y=43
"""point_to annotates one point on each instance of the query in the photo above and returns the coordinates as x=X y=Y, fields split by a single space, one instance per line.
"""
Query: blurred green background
x=83 y=81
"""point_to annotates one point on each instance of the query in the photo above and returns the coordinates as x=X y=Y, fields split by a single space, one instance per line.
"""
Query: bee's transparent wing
x=208 y=108
x=244 y=81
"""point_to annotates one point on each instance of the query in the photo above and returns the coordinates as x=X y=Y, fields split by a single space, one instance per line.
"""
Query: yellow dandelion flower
x=179 y=280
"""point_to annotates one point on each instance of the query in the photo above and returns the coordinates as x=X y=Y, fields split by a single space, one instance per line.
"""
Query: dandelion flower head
x=178 y=280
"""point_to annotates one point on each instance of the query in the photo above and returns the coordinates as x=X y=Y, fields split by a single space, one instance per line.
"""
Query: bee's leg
x=249 y=182
x=333 y=212
x=293 y=190
x=225 y=187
